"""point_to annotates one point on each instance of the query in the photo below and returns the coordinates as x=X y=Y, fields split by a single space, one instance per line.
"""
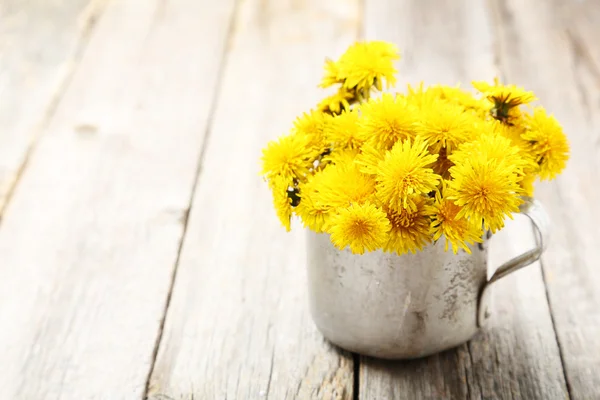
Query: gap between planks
x=561 y=350
x=356 y=377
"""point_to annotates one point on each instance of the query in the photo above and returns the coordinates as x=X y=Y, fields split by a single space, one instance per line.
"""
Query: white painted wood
x=517 y=355
x=89 y=241
x=557 y=59
x=40 y=44
x=238 y=325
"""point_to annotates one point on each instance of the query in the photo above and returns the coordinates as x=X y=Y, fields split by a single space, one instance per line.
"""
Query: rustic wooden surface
x=89 y=240
x=569 y=85
x=239 y=287
x=40 y=44
x=140 y=257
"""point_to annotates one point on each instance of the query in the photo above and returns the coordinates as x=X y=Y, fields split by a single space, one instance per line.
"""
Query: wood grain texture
x=580 y=21
x=88 y=245
x=238 y=326
x=516 y=356
x=40 y=44
x=558 y=61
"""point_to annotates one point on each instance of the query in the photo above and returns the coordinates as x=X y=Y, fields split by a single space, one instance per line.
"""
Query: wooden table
x=139 y=252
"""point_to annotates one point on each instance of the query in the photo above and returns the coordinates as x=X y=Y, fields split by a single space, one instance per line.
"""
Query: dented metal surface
x=389 y=306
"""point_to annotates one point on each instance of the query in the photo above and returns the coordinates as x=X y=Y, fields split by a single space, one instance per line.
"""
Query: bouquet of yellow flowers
x=400 y=170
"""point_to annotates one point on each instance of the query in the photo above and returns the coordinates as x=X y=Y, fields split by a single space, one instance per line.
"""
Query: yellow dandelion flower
x=465 y=99
x=368 y=64
x=337 y=102
x=504 y=142
x=513 y=133
x=458 y=231
x=332 y=74
x=527 y=183
x=368 y=159
x=420 y=96
x=406 y=170
x=289 y=157
x=312 y=214
x=343 y=132
x=409 y=230
x=485 y=189
x=343 y=184
x=281 y=200
x=341 y=156
x=362 y=227
x=504 y=97
x=509 y=131
x=504 y=94
x=387 y=120
x=444 y=125
x=493 y=147
x=547 y=143
x=312 y=126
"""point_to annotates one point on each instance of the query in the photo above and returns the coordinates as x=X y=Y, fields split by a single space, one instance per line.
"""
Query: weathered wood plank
x=579 y=19
x=40 y=43
x=552 y=55
x=516 y=356
x=238 y=326
x=89 y=242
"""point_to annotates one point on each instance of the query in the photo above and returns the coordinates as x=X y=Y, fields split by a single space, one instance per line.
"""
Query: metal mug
x=408 y=306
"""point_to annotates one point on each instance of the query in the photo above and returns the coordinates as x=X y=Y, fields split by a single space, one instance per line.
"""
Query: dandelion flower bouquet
x=396 y=171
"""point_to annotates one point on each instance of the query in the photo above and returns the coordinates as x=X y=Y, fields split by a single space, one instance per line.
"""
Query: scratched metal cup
x=409 y=306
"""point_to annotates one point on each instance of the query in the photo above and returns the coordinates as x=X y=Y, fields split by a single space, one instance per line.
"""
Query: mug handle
x=541 y=223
